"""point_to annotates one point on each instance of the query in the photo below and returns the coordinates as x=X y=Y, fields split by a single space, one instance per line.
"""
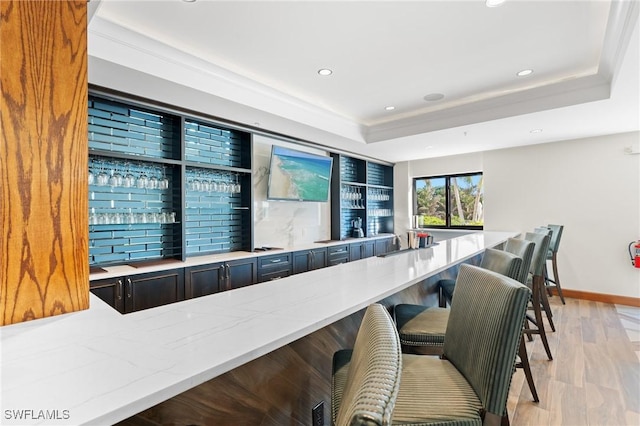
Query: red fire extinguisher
x=635 y=253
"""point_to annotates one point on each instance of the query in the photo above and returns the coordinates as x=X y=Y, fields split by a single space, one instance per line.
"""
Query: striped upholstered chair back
x=502 y=262
x=523 y=249
x=368 y=395
x=539 y=258
x=483 y=332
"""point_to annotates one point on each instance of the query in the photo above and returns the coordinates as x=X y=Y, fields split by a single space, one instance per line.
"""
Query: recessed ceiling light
x=524 y=73
x=325 y=71
x=389 y=108
x=189 y=1
x=536 y=131
x=494 y=3
x=432 y=97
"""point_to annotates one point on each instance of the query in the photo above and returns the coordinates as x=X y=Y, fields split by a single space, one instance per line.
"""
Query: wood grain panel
x=43 y=159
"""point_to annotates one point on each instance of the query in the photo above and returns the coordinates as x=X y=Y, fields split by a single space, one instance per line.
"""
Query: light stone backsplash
x=284 y=223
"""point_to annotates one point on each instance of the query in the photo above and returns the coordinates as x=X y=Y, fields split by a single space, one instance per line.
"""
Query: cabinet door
x=355 y=251
x=204 y=280
x=318 y=258
x=368 y=249
x=111 y=291
x=382 y=246
x=153 y=289
x=241 y=273
x=301 y=261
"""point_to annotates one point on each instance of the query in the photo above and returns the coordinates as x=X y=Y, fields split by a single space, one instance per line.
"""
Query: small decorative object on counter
x=412 y=238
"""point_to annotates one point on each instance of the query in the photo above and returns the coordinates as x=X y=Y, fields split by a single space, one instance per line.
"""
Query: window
x=454 y=201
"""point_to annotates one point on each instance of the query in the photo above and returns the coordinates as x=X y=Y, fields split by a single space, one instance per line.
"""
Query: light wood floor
x=594 y=378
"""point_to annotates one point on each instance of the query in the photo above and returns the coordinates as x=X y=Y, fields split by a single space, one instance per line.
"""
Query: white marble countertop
x=123 y=270
x=99 y=367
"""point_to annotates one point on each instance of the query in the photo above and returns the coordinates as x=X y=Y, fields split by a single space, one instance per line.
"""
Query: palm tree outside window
x=451 y=201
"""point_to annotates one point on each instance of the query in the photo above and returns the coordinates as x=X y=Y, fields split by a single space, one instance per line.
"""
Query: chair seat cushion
x=421 y=326
x=433 y=391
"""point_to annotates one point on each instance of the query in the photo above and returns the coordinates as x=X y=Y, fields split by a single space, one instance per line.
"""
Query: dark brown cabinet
x=215 y=277
x=137 y=292
x=274 y=267
x=308 y=260
x=361 y=250
x=338 y=254
x=204 y=279
x=241 y=273
x=383 y=246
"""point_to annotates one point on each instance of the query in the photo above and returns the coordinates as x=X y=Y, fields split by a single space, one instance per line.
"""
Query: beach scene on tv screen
x=297 y=175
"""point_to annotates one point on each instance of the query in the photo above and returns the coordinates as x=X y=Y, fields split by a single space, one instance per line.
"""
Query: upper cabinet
x=163 y=185
x=362 y=198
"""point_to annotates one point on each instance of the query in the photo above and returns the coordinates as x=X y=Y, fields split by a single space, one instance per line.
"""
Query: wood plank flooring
x=594 y=378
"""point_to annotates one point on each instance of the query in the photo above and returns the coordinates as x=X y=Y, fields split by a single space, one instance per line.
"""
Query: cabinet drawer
x=339 y=251
x=338 y=260
x=338 y=254
x=275 y=261
x=274 y=274
x=274 y=266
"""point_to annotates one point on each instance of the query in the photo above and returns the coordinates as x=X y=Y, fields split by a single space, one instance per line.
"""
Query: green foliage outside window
x=450 y=201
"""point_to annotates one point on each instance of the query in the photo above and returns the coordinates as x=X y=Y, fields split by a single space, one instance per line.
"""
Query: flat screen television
x=298 y=176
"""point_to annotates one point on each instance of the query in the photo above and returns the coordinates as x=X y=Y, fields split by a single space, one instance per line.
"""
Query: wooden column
x=43 y=159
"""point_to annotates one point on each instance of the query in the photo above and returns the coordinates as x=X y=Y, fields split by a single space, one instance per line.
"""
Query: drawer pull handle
x=275 y=260
x=119 y=290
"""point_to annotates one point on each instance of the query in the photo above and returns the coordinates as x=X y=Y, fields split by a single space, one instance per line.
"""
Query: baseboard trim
x=600 y=297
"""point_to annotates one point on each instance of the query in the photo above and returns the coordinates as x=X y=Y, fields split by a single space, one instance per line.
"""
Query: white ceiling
x=259 y=61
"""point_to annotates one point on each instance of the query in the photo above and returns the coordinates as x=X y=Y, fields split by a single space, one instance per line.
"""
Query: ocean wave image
x=299 y=176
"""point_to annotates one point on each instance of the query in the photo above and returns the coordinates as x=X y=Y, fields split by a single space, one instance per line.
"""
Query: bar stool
x=544 y=299
x=366 y=380
x=554 y=245
x=468 y=385
x=422 y=329
x=523 y=249
x=538 y=291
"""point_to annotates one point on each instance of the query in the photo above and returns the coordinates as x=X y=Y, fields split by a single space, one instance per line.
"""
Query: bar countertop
x=99 y=366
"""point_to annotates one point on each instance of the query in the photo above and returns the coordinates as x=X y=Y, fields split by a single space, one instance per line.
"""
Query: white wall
x=591 y=186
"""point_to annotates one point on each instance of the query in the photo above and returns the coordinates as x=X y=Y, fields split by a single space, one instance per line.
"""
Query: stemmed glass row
x=380 y=212
x=130 y=218
x=351 y=197
x=126 y=174
x=213 y=181
x=378 y=194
